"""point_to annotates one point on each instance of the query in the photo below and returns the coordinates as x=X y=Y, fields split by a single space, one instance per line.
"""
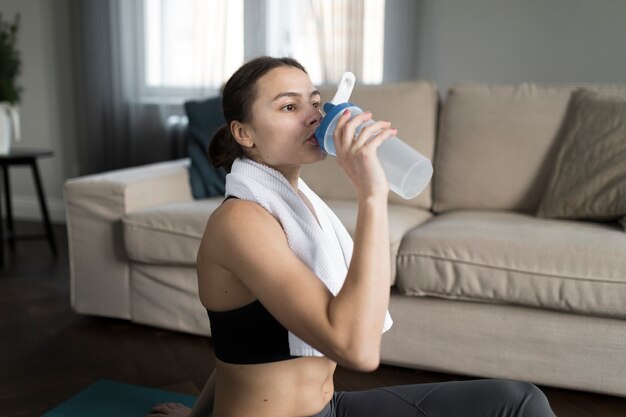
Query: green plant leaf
x=10 y=61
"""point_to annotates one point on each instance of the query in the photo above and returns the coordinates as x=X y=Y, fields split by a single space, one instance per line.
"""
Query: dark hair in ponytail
x=224 y=149
x=238 y=95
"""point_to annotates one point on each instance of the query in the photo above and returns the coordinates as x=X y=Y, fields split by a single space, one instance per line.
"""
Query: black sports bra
x=249 y=335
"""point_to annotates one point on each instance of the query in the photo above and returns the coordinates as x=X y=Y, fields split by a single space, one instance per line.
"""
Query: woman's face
x=286 y=113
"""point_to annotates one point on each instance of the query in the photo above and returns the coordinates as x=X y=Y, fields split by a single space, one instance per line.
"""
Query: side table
x=23 y=157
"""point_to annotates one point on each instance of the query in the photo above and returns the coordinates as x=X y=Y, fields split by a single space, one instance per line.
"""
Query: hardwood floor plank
x=194 y=354
x=155 y=364
x=43 y=390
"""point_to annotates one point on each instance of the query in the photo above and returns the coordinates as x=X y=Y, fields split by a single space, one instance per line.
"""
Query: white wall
x=47 y=102
x=511 y=41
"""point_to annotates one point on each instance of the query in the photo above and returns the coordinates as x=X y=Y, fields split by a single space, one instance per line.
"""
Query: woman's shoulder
x=239 y=219
x=235 y=211
x=236 y=227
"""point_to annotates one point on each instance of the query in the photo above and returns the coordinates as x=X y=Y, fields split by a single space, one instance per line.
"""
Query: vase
x=9 y=126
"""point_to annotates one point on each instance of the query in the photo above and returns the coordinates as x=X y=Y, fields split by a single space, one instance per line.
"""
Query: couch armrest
x=95 y=205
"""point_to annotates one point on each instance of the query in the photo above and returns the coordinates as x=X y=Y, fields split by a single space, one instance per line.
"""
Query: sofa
x=481 y=285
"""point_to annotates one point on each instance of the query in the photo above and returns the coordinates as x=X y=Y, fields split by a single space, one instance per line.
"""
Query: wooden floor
x=48 y=353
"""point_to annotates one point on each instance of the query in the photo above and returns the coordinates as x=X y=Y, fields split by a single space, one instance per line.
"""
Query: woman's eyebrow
x=294 y=94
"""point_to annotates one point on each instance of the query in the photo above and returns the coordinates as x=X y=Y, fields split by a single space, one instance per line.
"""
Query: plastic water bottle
x=407 y=170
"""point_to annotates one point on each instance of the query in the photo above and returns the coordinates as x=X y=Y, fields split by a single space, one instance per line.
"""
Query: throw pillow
x=205 y=118
x=589 y=176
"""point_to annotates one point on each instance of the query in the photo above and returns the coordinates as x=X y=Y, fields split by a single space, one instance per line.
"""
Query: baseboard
x=27 y=208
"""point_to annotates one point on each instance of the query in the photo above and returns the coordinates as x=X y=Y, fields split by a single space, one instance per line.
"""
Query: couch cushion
x=512 y=258
x=169 y=234
x=411 y=107
x=167 y=297
x=589 y=175
x=497 y=144
x=401 y=220
x=205 y=118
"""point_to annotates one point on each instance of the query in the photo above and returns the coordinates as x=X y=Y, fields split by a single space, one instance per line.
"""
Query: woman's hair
x=238 y=95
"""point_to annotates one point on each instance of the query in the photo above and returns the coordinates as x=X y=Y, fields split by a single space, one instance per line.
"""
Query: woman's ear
x=241 y=134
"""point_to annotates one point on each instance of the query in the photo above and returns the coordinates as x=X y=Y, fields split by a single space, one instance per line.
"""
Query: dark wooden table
x=23 y=157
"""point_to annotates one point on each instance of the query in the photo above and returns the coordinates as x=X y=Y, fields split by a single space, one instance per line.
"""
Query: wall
x=401 y=37
x=47 y=102
x=511 y=41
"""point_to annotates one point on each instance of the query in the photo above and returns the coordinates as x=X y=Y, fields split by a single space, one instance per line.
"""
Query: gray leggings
x=479 y=398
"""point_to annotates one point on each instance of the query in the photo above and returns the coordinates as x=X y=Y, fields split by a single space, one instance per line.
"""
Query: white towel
x=325 y=247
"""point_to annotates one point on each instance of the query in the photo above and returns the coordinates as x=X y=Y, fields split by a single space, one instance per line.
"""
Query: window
x=192 y=43
x=195 y=45
x=329 y=37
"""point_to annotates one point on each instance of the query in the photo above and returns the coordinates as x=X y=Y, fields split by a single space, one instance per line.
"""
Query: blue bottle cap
x=324 y=133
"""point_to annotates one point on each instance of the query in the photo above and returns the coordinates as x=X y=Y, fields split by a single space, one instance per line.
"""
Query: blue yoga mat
x=110 y=398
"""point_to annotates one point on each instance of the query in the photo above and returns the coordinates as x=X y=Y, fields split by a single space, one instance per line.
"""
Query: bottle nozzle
x=344 y=88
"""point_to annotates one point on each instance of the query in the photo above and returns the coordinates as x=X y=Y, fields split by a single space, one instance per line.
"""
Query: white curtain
x=191 y=45
x=329 y=37
x=340 y=30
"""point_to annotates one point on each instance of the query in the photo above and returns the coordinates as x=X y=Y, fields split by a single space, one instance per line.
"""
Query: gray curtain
x=113 y=130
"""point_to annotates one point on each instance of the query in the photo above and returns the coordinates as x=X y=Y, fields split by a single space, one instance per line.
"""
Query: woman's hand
x=358 y=155
x=169 y=409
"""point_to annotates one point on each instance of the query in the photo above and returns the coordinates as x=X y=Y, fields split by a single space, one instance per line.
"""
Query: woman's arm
x=363 y=301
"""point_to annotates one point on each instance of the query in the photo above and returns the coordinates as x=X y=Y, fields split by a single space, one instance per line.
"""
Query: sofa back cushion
x=497 y=144
x=205 y=118
x=411 y=107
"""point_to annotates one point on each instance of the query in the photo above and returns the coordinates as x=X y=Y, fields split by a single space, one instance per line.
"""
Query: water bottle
x=407 y=170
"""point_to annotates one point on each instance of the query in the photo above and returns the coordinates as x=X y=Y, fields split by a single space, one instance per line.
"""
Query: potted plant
x=10 y=66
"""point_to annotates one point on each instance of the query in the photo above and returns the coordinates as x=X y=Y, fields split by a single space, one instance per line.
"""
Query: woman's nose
x=315 y=117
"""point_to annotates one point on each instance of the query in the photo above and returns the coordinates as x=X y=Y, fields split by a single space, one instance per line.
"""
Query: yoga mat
x=115 y=399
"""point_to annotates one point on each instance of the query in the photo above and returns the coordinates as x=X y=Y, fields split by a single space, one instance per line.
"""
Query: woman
x=261 y=295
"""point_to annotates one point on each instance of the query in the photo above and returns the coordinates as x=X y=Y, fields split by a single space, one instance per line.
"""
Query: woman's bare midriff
x=291 y=388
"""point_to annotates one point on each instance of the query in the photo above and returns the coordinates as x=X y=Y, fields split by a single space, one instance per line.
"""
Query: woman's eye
x=289 y=107
x=316 y=104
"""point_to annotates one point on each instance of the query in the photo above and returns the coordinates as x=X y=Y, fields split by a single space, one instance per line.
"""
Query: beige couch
x=481 y=286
